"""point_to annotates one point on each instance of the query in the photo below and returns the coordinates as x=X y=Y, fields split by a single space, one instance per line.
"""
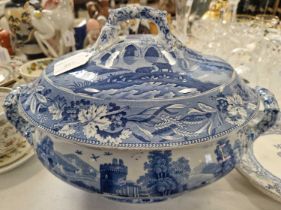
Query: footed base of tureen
x=138 y=200
x=147 y=200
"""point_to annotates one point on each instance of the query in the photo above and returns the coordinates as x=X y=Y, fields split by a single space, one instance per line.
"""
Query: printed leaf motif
x=170 y=138
x=41 y=98
x=67 y=130
x=201 y=130
x=100 y=111
x=33 y=105
x=147 y=114
x=210 y=129
x=55 y=111
x=193 y=110
x=40 y=88
x=176 y=106
x=183 y=132
x=146 y=132
x=95 y=117
x=90 y=130
x=206 y=108
x=143 y=115
x=252 y=106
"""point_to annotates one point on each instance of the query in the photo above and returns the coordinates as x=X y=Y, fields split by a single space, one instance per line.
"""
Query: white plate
x=261 y=165
x=5 y=74
x=33 y=69
x=17 y=157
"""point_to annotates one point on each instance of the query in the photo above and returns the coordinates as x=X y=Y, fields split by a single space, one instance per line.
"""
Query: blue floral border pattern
x=116 y=124
x=12 y=114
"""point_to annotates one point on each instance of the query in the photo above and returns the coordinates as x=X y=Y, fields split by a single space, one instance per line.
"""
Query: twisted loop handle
x=109 y=31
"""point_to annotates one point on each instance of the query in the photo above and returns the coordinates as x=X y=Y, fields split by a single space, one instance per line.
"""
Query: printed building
x=113 y=179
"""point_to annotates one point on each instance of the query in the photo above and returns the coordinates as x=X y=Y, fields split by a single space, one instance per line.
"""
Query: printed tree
x=180 y=170
x=225 y=157
x=238 y=150
x=163 y=176
x=45 y=151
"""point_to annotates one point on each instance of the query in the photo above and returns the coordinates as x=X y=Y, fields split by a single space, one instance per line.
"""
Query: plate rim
x=18 y=162
x=9 y=76
x=254 y=176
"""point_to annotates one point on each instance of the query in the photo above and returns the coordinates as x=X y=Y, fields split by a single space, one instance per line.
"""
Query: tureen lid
x=139 y=91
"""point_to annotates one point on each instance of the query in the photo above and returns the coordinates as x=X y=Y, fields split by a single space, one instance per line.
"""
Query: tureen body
x=143 y=119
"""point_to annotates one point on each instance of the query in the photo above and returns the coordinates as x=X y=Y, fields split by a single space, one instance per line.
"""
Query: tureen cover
x=140 y=91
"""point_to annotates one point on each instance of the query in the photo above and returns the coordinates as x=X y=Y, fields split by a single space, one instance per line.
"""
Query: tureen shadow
x=144 y=119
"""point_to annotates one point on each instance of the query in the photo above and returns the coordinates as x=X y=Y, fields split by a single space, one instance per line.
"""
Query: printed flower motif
x=234 y=100
x=94 y=118
x=222 y=103
x=56 y=109
x=97 y=120
x=242 y=92
x=234 y=108
x=90 y=130
x=37 y=98
x=117 y=120
x=70 y=112
x=125 y=134
x=56 y=112
x=67 y=130
x=236 y=113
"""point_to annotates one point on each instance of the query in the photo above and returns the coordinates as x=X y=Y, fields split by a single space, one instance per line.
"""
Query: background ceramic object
x=3 y=93
x=19 y=21
x=53 y=28
x=9 y=137
x=261 y=165
x=21 y=28
x=129 y=143
x=5 y=40
x=80 y=30
x=5 y=74
x=33 y=69
x=17 y=157
x=93 y=31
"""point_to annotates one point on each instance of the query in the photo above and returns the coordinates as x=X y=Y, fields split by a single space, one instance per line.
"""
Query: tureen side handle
x=271 y=110
x=12 y=114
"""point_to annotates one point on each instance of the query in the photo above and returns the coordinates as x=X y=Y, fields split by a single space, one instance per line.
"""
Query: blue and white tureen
x=143 y=119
